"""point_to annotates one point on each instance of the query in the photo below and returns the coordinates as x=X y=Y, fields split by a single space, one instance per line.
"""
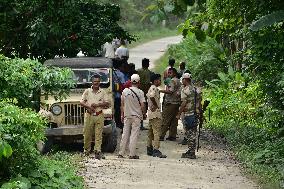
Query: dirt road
x=214 y=168
x=152 y=50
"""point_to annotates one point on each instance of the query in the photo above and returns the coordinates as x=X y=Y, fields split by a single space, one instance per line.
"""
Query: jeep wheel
x=46 y=146
x=110 y=142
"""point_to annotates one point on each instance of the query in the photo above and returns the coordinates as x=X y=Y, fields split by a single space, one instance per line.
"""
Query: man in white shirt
x=109 y=50
x=122 y=52
x=132 y=112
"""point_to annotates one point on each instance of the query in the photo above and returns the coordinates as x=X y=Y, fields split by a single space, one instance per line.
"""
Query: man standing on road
x=108 y=50
x=132 y=112
x=118 y=81
x=94 y=100
x=191 y=108
x=154 y=115
x=145 y=83
x=170 y=106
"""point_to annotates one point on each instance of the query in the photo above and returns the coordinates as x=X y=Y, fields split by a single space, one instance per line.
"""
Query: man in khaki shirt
x=154 y=115
x=94 y=100
x=171 y=106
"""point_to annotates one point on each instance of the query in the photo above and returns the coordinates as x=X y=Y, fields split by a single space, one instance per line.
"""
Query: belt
x=97 y=113
x=188 y=114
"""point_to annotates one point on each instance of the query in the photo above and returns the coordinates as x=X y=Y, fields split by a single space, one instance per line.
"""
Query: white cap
x=186 y=76
x=135 y=78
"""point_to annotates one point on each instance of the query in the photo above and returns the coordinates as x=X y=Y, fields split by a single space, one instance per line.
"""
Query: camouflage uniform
x=192 y=97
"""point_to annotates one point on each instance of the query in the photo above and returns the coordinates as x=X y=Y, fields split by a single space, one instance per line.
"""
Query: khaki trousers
x=93 y=127
x=154 y=133
x=169 y=121
x=130 y=133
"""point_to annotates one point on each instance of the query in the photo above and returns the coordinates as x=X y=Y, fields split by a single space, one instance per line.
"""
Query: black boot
x=188 y=154
x=150 y=150
x=157 y=153
x=99 y=155
x=184 y=141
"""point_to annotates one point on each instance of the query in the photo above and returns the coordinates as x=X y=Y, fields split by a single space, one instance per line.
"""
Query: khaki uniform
x=170 y=109
x=192 y=97
x=155 y=120
x=93 y=124
x=132 y=118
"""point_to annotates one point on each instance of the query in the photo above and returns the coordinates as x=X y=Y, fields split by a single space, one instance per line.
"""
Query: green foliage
x=204 y=60
x=240 y=113
x=52 y=172
x=44 y=29
x=55 y=174
x=18 y=182
x=267 y=20
x=265 y=58
x=20 y=79
x=5 y=148
x=21 y=129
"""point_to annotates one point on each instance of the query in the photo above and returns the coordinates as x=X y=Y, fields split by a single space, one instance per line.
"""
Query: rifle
x=203 y=109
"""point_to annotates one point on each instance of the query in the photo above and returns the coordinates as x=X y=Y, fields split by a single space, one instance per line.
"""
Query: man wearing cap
x=94 y=100
x=191 y=108
x=155 y=118
x=132 y=112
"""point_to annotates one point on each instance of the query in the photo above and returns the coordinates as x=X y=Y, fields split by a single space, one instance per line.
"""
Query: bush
x=252 y=126
x=203 y=59
x=52 y=172
x=20 y=79
x=21 y=129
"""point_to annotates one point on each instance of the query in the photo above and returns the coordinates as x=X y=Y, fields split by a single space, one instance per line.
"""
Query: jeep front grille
x=74 y=114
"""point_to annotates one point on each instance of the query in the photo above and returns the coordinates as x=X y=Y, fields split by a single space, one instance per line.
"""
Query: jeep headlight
x=56 y=109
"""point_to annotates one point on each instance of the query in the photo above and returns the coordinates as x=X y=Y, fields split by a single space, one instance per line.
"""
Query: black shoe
x=143 y=128
x=120 y=156
x=134 y=157
x=171 y=138
x=158 y=153
x=188 y=154
x=162 y=138
x=150 y=150
x=86 y=153
x=99 y=155
x=184 y=141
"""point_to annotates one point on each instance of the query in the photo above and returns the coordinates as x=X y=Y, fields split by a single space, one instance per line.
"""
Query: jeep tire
x=110 y=142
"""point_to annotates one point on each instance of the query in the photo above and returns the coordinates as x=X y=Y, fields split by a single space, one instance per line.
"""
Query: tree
x=45 y=29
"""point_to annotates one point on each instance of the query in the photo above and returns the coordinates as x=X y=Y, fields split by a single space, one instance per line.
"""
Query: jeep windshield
x=83 y=76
